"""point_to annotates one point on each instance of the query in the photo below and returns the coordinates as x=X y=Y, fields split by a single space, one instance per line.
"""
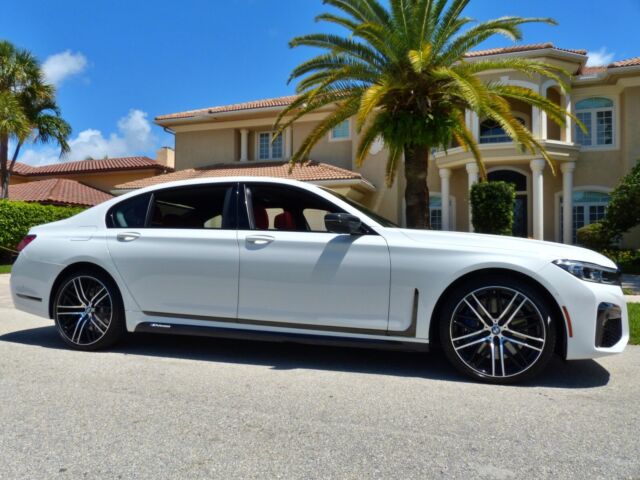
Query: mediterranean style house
x=238 y=139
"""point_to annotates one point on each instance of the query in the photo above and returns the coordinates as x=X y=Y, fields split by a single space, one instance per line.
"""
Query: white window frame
x=341 y=139
x=559 y=203
x=271 y=157
x=452 y=209
x=593 y=128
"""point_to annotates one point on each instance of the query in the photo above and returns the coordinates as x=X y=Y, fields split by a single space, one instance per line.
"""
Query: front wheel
x=498 y=330
x=88 y=311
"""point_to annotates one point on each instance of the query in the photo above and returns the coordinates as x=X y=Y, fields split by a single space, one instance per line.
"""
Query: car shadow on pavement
x=290 y=356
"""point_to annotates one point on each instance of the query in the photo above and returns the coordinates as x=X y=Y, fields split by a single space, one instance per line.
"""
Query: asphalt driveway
x=164 y=407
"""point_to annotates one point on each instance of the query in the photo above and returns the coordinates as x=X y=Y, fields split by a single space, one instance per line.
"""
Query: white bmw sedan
x=273 y=259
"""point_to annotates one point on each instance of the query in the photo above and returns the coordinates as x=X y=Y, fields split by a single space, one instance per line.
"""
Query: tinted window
x=199 y=207
x=130 y=213
x=274 y=207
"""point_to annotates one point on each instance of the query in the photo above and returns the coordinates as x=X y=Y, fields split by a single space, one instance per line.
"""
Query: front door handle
x=128 y=236
x=260 y=239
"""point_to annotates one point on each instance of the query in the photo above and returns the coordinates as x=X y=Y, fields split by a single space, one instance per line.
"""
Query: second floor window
x=342 y=131
x=597 y=115
x=492 y=132
x=268 y=149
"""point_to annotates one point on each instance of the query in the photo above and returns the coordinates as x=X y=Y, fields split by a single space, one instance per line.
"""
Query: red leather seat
x=261 y=218
x=284 y=221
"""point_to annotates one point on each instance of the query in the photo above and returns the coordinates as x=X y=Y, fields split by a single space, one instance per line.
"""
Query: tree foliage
x=403 y=73
x=492 y=207
x=28 y=110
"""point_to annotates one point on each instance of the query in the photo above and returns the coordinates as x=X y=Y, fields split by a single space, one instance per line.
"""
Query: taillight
x=24 y=242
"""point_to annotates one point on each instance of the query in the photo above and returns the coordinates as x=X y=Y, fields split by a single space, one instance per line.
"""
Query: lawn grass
x=5 y=268
x=634 y=323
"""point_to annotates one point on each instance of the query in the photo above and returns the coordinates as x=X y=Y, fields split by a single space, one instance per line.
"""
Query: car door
x=177 y=250
x=294 y=273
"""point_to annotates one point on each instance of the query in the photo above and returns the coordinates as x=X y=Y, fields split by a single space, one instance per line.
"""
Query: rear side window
x=199 y=207
x=130 y=213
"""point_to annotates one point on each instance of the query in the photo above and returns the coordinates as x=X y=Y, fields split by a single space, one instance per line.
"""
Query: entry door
x=294 y=273
x=183 y=259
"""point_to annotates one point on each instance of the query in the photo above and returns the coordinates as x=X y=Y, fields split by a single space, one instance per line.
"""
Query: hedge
x=492 y=207
x=16 y=218
x=595 y=236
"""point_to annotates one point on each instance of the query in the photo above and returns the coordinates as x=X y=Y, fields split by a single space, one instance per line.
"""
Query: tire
x=498 y=329
x=88 y=310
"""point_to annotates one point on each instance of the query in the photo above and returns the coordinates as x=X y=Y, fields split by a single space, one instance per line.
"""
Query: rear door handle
x=260 y=239
x=128 y=236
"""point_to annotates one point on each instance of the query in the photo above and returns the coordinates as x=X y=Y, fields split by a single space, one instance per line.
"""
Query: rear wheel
x=88 y=311
x=498 y=330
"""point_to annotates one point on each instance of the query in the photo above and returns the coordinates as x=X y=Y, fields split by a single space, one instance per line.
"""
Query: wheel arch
x=561 y=344
x=77 y=267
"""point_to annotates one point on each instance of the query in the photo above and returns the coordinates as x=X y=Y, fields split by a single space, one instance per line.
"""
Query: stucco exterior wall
x=206 y=147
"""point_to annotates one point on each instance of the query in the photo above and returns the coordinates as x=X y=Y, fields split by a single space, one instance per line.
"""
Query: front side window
x=435 y=212
x=197 y=207
x=597 y=116
x=276 y=207
x=492 y=132
x=588 y=207
x=342 y=131
x=269 y=146
x=130 y=213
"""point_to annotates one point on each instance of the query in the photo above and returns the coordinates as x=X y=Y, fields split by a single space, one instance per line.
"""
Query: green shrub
x=596 y=236
x=623 y=211
x=492 y=207
x=627 y=260
x=16 y=218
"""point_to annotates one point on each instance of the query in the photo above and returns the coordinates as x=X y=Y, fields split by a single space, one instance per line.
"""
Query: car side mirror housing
x=342 y=223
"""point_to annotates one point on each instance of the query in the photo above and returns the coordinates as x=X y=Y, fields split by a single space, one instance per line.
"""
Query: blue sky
x=118 y=64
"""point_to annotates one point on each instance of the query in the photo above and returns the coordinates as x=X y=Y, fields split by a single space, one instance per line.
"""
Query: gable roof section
x=522 y=48
x=308 y=172
x=235 y=107
x=91 y=166
x=58 y=191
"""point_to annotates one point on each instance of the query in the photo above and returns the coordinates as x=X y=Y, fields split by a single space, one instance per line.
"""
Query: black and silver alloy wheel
x=87 y=311
x=498 y=333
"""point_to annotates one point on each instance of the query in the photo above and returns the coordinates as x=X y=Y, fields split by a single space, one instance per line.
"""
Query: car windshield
x=381 y=220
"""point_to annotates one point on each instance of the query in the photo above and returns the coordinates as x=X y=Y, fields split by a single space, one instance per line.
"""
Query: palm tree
x=28 y=110
x=402 y=73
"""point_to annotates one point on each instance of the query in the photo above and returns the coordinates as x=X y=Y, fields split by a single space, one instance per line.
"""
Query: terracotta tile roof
x=265 y=103
x=58 y=191
x=91 y=166
x=309 y=172
x=591 y=70
x=630 y=62
x=522 y=48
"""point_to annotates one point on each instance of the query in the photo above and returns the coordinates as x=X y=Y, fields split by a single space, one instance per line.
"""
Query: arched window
x=492 y=132
x=588 y=207
x=597 y=115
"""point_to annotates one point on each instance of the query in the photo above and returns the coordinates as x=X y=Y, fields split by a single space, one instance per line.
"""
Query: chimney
x=166 y=156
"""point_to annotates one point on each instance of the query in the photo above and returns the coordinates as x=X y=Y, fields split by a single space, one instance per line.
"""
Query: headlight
x=590 y=272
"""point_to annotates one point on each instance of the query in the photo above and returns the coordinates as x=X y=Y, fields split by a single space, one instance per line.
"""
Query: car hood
x=511 y=245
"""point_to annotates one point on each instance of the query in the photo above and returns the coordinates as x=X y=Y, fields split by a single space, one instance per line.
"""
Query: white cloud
x=134 y=137
x=599 y=57
x=63 y=65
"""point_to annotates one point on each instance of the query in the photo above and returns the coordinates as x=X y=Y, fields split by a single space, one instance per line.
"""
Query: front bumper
x=598 y=323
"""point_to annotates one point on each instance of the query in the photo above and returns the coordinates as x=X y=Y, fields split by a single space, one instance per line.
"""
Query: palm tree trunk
x=416 y=194
x=4 y=171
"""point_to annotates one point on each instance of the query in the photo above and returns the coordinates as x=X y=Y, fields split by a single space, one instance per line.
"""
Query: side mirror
x=342 y=223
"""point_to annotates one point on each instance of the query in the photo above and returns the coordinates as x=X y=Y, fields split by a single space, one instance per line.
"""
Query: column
x=536 y=122
x=472 y=173
x=568 y=129
x=537 y=166
x=567 y=201
x=475 y=126
x=445 y=175
x=288 y=139
x=244 y=145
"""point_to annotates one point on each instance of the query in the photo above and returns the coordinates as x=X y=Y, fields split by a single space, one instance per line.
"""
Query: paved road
x=161 y=407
